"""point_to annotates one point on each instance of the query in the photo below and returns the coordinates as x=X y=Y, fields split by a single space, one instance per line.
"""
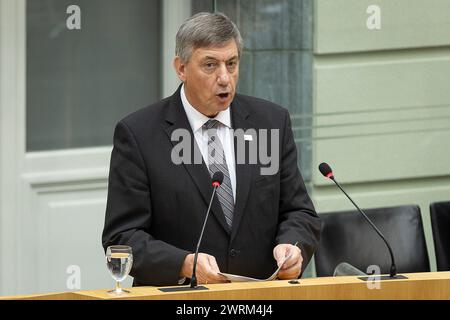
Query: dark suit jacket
x=158 y=207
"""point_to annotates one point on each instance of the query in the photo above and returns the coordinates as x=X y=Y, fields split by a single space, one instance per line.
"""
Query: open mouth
x=223 y=95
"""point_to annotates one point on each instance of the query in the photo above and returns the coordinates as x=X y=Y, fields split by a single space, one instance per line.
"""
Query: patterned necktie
x=217 y=162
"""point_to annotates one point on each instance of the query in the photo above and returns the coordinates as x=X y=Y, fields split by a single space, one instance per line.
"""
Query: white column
x=12 y=135
x=175 y=12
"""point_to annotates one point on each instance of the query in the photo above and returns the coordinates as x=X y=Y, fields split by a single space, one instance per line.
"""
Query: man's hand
x=292 y=267
x=207 y=269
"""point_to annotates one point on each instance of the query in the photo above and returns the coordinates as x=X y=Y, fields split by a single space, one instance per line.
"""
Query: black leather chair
x=348 y=237
x=440 y=224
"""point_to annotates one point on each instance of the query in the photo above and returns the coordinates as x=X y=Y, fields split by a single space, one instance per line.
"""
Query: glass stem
x=118 y=287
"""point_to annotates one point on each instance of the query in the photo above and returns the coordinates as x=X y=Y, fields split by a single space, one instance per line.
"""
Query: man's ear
x=180 y=68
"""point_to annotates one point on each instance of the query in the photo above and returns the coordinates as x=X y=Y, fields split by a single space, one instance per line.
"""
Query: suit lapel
x=176 y=119
x=243 y=171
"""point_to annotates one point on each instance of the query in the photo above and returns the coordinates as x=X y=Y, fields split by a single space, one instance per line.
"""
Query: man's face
x=210 y=77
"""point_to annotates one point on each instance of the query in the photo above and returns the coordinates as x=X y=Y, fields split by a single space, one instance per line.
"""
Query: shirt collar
x=197 y=119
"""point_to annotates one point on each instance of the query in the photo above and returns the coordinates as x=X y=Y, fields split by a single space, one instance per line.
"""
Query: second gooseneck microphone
x=325 y=169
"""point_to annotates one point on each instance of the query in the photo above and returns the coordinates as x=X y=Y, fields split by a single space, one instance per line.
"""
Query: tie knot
x=211 y=124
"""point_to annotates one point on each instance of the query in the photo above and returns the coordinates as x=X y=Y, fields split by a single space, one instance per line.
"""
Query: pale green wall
x=381 y=103
x=340 y=25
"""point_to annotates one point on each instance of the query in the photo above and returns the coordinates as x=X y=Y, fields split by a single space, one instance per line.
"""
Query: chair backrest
x=348 y=237
x=440 y=224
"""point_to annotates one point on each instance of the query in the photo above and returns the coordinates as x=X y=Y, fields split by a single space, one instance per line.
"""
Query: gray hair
x=203 y=30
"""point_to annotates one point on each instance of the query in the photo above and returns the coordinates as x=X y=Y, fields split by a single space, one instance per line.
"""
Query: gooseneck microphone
x=216 y=182
x=325 y=169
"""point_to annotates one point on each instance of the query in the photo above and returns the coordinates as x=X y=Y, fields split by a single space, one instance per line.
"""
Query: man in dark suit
x=157 y=205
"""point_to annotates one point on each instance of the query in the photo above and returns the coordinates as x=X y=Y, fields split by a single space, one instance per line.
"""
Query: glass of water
x=119 y=260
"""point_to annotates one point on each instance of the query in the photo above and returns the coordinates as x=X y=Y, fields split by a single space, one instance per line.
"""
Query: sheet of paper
x=237 y=278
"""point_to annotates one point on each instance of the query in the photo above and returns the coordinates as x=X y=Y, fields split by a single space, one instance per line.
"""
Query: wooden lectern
x=423 y=286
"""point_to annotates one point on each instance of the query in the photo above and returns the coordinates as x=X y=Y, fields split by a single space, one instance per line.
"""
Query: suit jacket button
x=233 y=253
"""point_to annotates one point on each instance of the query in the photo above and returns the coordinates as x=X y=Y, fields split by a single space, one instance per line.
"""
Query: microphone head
x=325 y=169
x=217 y=178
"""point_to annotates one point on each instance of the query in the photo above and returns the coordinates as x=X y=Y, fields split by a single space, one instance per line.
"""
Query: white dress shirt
x=224 y=132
